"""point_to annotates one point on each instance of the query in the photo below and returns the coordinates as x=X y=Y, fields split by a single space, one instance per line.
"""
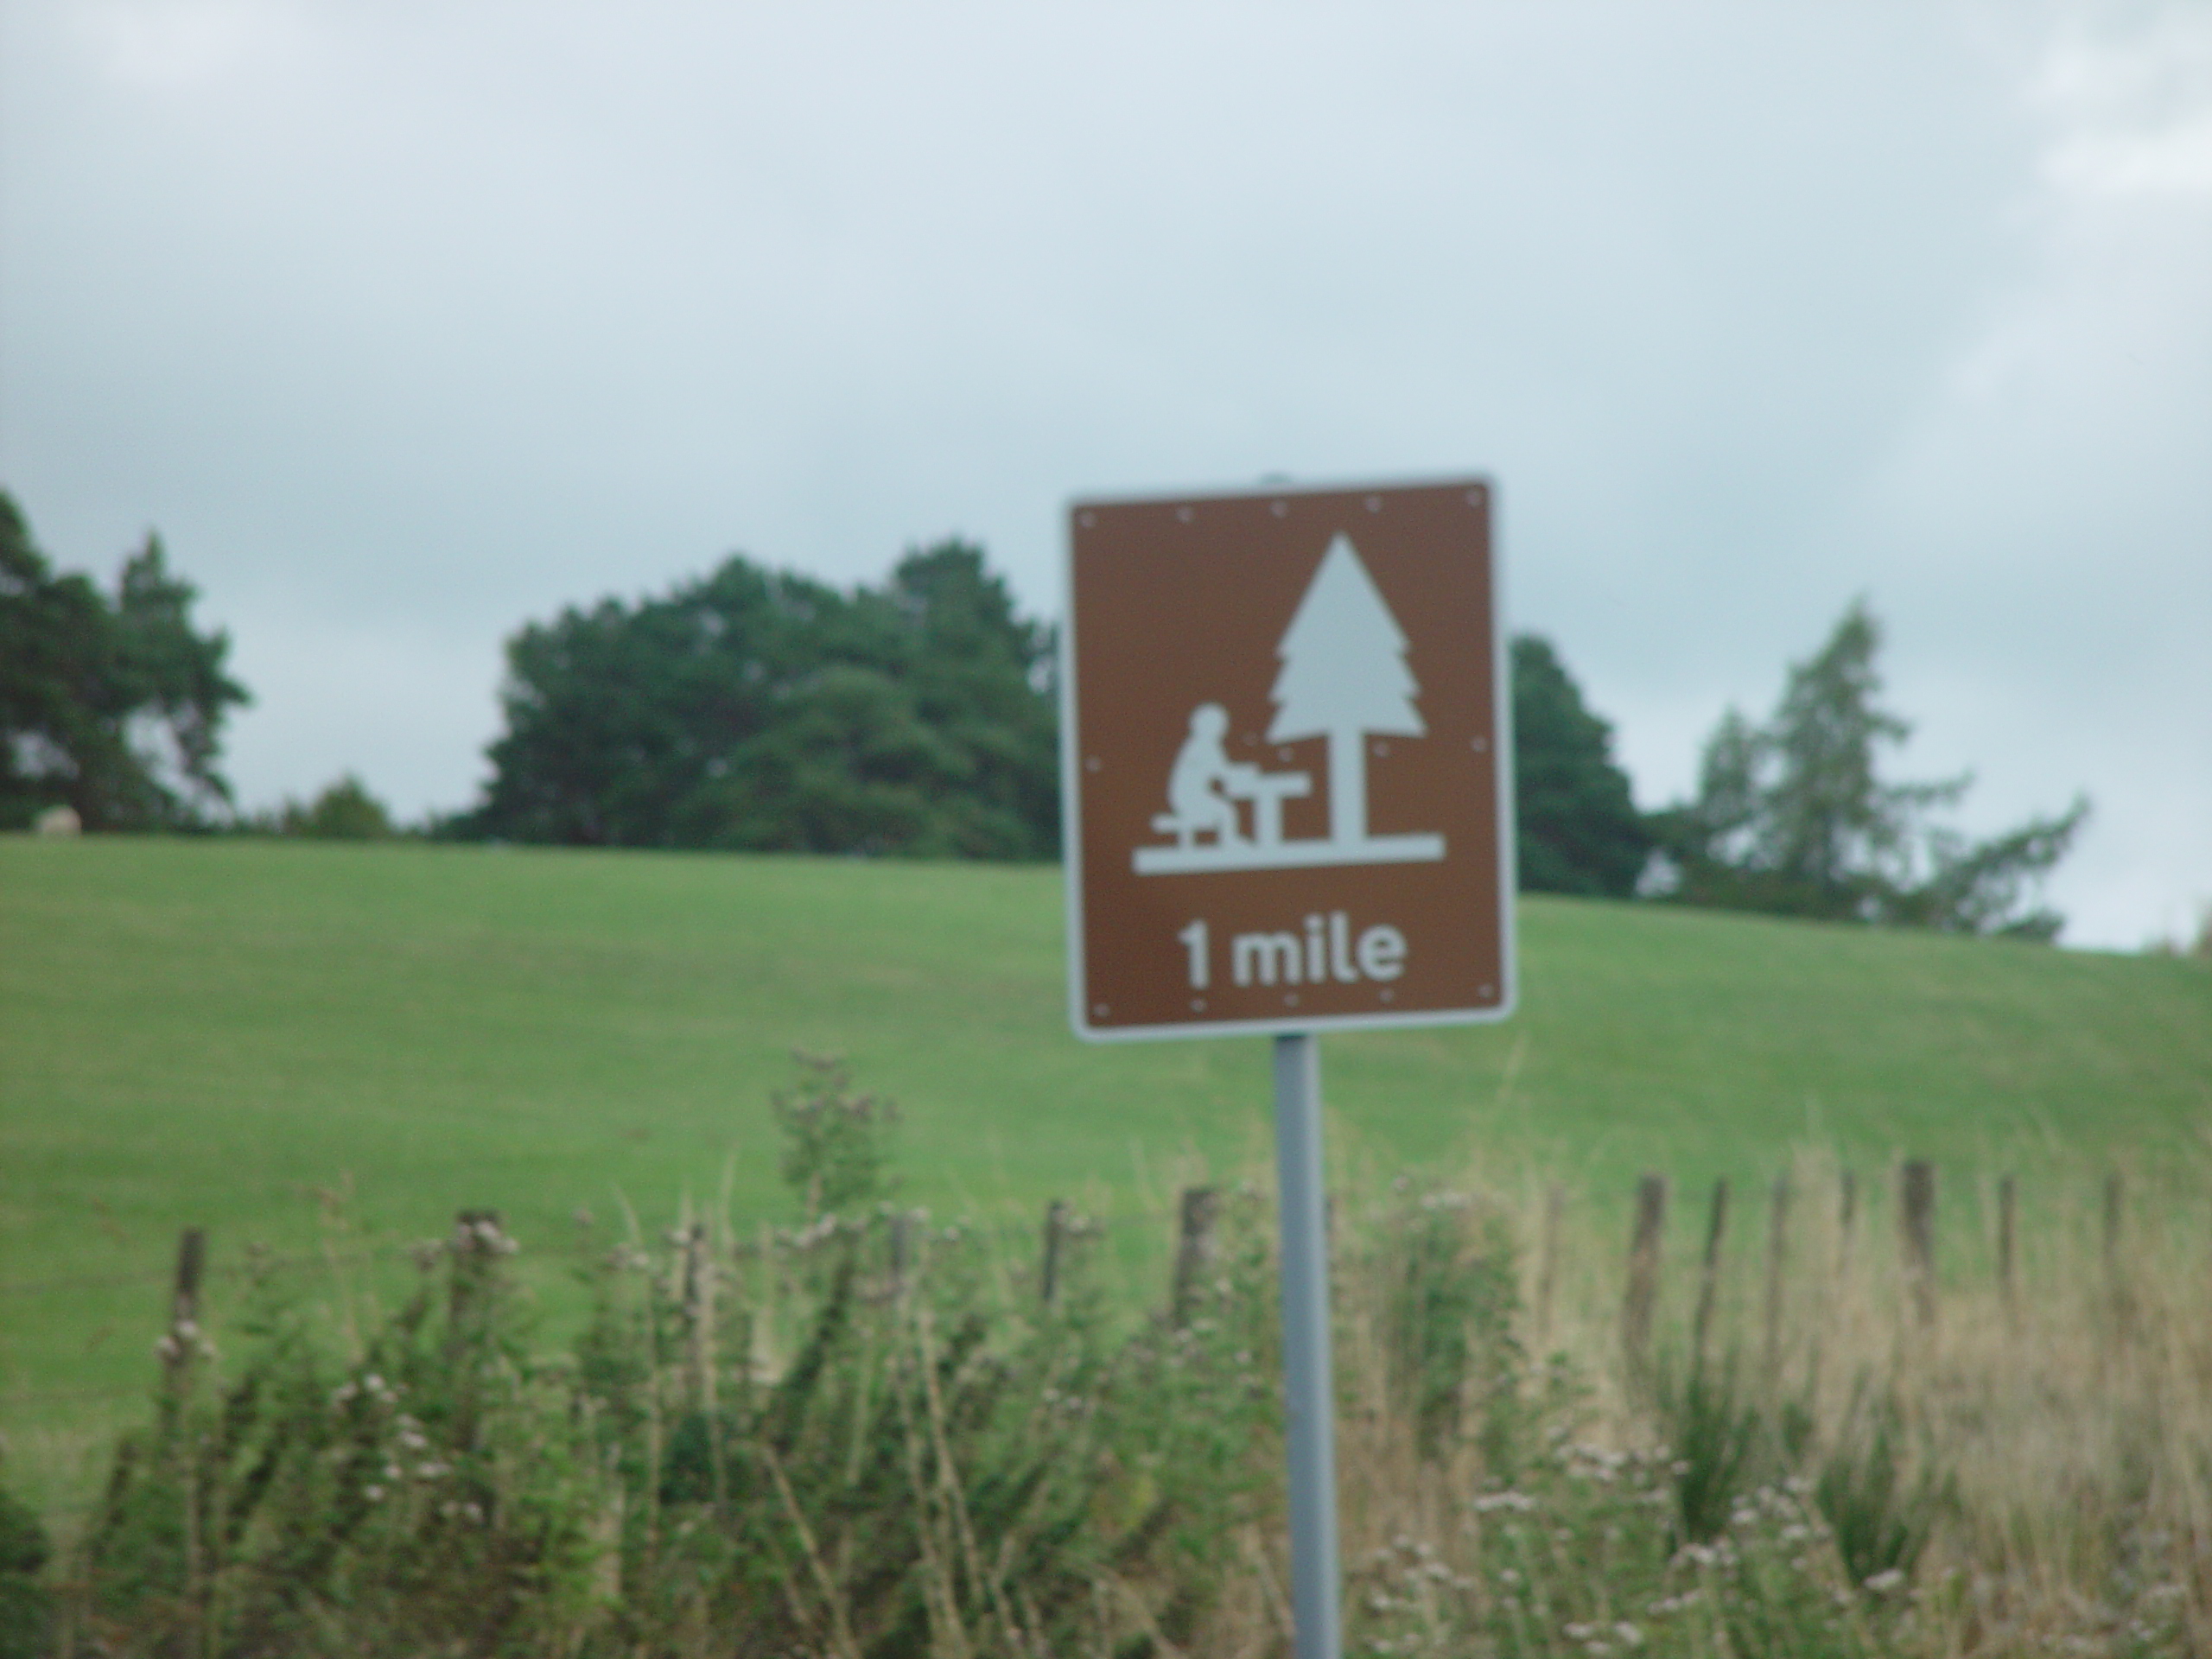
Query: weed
x=1882 y=1518
x=1719 y=1439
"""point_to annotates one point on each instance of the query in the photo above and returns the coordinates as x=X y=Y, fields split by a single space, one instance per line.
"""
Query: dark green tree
x=759 y=711
x=344 y=811
x=1795 y=818
x=1577 y=826
x=113 y=707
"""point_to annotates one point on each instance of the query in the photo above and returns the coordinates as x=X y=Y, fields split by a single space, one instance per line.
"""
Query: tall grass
x=868 y=1431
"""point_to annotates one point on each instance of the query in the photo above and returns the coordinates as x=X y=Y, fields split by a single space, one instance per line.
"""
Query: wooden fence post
x=902 y=1224
x=1917 y=1232
x=476 y=1235
x=191 y=1263
x=1547 y=1268
x=1846 y=1217
x=1708 y=1284
x=1194 y=1250
x=181 y=1350
x=699 y=1312
x=181 y=1346
x=1643 y=1275
x=1048 y=1272
x=1778 y=1250
x=699 y=1274
x=2007 y=1211
x=2116 y=1287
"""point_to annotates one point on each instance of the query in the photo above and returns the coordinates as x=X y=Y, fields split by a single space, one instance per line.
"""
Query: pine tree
x=1793 y=816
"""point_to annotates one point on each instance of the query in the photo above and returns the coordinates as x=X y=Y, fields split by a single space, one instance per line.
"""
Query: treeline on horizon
x=757 y=710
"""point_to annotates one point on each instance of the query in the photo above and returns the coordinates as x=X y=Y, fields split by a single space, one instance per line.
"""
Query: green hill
x=208 y=1031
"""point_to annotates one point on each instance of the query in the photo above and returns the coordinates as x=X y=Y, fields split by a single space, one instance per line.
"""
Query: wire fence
x=266 y=1264
x=247 y=1269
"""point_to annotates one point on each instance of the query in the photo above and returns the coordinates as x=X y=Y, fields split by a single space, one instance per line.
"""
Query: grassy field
x=212 y=1032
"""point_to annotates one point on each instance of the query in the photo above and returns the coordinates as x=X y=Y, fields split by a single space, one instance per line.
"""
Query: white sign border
x=1501 y=744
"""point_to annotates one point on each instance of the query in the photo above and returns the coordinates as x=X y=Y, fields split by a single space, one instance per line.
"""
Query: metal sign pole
x=1309 y=1393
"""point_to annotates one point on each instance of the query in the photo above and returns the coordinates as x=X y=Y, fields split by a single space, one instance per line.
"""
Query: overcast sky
x=405 y=323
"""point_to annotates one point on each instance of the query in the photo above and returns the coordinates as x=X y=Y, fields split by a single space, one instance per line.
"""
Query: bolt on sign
x=1288 y=806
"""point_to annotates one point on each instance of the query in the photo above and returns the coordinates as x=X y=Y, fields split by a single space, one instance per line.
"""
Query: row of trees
x=757 y=710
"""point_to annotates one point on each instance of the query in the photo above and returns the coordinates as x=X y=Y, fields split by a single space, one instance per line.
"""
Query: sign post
x=1289 y=809
x=1309 y=1391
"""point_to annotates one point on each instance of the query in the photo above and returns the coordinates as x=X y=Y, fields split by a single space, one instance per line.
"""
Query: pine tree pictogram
x=1345 y=677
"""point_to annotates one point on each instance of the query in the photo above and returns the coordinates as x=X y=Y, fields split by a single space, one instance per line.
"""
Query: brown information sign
x=1285 y=795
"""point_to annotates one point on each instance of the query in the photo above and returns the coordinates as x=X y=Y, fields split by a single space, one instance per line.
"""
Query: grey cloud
x=408 y=323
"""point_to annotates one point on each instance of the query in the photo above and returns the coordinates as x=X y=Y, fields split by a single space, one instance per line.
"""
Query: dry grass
x=2061 y=1434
